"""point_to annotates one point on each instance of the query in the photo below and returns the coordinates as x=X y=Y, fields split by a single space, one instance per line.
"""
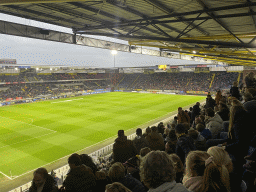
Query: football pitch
x=35 y=134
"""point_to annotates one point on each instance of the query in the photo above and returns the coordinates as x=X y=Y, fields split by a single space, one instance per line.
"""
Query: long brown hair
x=232 y=113
x=218 y=97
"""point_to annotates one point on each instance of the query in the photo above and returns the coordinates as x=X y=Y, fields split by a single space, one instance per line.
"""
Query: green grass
x=32 y=135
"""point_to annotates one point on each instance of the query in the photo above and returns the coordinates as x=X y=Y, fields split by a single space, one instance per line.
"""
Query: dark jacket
x=156 y=141
x=80 y=179
x=238 y=145
x=101 y=185
x=235 y=92
x=206 y=133
x=241 y=134
x=224 y=114
x=140 y=142
x=210 y=103
x=133 y=184
x=123 y=149
x=185 y=144
x=183 y=117
x=196 y=111
x=48 y=185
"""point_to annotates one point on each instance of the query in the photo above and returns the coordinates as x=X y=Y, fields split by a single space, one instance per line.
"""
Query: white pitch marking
x=6 y=175
x=67 y=100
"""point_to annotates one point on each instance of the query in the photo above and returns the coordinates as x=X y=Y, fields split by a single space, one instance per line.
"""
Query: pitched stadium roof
x=224 y=31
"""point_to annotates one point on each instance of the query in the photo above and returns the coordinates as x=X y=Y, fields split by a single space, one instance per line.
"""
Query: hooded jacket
x=80 y=179
x=214 y=124
x=140 y=142
x=170 y=187
x=123 y=149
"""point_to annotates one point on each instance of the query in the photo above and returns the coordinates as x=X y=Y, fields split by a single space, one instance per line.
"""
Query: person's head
x=200 y=127
x=148 y=130
x=178 y=165
x=40 y=176
x=139 y=132
x=154 y=129
x=88 y=161
x=197 y=103
x=116 y=187
x=172 y=126
x=116 y=172
x=100 y=175
x=179 y=109
x=202 y=117
x=221 y=157
x=166 y=131
x=156 y=168
x=179 y=129
x=195 y=163
x=222 y=106
x=190 y=108
x=193 y=134
x=172 y=135
x=197 y=120
x=144 y=151
x=175 y=118
x=209 y=96
x=74 y=160
x=120 y=133
x=235 y=83
x=247 y=97
x=209 y=112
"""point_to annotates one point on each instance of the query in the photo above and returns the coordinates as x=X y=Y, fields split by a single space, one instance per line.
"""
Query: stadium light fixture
x=114 y=52
x=194 y=51
x=37 y=69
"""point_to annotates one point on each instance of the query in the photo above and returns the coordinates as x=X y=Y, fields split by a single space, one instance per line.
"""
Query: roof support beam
x=251 y=10
x=213 y=16
x=132 y=23
x=167 y=10
x=228 y=44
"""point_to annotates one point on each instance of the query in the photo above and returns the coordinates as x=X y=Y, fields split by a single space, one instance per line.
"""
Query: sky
x=39 y=52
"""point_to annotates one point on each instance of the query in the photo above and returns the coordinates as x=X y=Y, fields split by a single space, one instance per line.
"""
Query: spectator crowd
x=210 y=148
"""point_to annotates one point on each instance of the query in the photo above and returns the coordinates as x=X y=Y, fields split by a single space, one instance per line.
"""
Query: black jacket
x=185 y=144
x=80 y=179
x=235 y=92
x=123 y=149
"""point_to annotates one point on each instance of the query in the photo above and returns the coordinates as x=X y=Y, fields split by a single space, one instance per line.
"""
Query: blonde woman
x=203 y=174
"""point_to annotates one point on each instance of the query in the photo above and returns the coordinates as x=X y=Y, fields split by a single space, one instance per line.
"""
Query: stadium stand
x=210 y=152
